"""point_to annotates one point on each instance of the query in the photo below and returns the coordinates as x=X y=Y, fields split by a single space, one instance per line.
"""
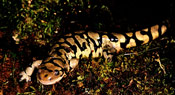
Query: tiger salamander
x=65 y=54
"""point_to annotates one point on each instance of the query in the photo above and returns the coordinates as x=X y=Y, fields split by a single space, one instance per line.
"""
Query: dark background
x=141 y=11
x=124 y=14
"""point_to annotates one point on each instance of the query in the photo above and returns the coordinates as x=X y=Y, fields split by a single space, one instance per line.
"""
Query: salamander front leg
x=73 y=63
x=26 y=75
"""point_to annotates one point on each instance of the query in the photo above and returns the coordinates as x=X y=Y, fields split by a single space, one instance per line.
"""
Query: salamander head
x=49 y=74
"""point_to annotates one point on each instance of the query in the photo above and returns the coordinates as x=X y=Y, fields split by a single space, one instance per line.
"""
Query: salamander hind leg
x=108 y=53
x=108 y=56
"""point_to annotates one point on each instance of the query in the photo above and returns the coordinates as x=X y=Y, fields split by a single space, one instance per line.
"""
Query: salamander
x=65 y=54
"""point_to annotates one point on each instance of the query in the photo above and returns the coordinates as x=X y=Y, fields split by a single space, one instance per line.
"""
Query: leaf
x=102 y=85
x=80 y=77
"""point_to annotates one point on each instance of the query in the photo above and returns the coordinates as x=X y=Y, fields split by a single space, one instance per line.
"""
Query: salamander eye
x=57 y=72
x=46 y=75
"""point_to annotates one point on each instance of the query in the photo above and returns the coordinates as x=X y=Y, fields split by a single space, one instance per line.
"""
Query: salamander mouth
x=50 y=82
